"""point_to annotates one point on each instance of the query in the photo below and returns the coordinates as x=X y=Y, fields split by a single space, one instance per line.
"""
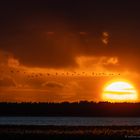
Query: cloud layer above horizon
x=45 y=45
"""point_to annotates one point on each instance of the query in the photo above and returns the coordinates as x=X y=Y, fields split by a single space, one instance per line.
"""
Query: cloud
x=12 y=62
x=54 y=37
x=97 y=63
x=49 y=43
x=7 y=59
x=44 y=44
x=53 y=84
x=105 y=38
x=46 y=52
x=3 y=58
x=7 y=82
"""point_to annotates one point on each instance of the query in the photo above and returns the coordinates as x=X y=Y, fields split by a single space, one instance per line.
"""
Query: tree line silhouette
x=82 y=108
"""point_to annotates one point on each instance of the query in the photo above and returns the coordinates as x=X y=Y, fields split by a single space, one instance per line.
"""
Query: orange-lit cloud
x=97 y=63
x=51 y=62
x=105 y=38
x=83 y=82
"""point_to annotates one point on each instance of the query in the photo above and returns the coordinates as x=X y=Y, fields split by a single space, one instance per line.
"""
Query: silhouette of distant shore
x=82 y=108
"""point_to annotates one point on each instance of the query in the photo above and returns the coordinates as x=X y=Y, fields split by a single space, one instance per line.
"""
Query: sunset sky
x=67 y=50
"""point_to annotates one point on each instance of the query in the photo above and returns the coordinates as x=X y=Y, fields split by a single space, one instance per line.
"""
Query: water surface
x=70 y=121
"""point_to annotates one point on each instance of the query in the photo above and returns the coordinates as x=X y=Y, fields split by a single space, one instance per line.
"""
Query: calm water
x=69 y=121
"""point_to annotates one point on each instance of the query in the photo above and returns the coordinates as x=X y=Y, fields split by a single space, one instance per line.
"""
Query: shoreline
x=68 y=132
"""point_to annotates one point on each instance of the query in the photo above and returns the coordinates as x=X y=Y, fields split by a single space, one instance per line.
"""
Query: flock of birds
x=58 y=74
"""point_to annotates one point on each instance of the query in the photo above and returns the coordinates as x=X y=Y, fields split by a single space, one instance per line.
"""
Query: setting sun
x=120 y=92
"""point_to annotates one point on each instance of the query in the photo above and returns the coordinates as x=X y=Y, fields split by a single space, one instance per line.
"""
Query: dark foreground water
x=70 y=121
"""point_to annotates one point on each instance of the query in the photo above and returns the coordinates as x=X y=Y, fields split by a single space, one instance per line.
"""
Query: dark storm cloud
x=50 y=33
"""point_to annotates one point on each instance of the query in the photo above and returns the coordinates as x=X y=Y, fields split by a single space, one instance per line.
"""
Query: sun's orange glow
x=120 y=91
